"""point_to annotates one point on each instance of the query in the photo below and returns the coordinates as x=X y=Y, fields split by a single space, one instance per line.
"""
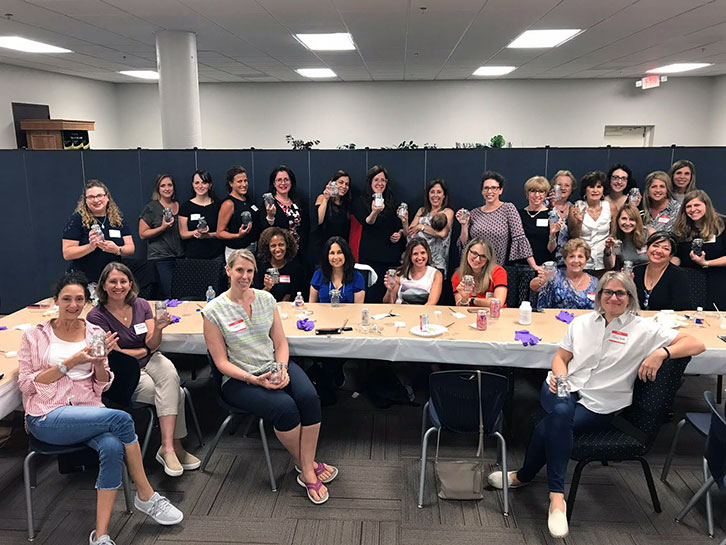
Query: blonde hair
x=536 y=183
x=663 y=177
x=484 y=278
x=638 y=235
x=567 y=174
x=685 y=228
x=627 y=282
x=575 y=244
x=155 y=195
x=678 y=165
x=113 y=214
x=242 y=253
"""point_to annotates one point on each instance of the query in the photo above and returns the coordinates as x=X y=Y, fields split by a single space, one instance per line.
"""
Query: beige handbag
x=462 y=479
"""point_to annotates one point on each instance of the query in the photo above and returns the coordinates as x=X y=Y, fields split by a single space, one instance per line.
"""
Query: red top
x=33 y=357
x=499 y=280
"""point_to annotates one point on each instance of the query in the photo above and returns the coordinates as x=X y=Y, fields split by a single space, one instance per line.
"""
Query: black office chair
x=82 y=457
x=232 y=413
x=191 y=278
x=453 y=407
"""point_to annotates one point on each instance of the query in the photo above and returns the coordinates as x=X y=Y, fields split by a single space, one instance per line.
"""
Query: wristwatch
x=471 y=300
x=62 y=368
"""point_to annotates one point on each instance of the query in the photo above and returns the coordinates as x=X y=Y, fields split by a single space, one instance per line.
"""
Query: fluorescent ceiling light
x=29 y=46
x=341 y=41
x=316 y=72
x=142 y=74
x=544 y=38
x=678 y=67
x=493 y=70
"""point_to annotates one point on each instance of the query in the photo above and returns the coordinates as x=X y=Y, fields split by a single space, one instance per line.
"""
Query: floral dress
x=559 y=293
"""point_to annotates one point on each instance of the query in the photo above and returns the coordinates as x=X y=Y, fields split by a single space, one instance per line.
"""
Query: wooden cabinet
x=56 y=133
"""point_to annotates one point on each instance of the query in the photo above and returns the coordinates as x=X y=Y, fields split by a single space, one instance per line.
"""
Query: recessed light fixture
x=679 y=67
x=340 y=41
x=544 y=38
x=142 y=74
x=316 y=72
x=493 y=70
x=29 y=46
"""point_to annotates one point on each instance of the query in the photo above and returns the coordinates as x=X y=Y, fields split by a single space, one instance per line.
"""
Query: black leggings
x=296 y=404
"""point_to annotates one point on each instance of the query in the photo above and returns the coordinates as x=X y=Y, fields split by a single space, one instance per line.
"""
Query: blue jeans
x=297 y=403
x=106 y=431
x=164 y=271
x=552 y=439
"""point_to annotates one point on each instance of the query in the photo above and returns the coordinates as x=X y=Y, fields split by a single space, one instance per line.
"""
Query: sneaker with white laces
x=105 y=539
x=160 y=509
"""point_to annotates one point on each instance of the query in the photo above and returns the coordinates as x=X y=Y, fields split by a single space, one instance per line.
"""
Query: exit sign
x=651 y=81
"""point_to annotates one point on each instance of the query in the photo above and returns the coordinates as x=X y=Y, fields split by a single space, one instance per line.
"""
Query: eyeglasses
x=476 y=255
x=95 y=197
x=541 y=191
x=620 y=294
x=617 y=178
x=490 y=189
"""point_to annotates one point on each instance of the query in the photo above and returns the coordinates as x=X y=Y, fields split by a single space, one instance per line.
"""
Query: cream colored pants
x=159 y=386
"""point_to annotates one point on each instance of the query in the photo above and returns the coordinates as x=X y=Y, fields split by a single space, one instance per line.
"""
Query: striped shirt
x=34 y=358
x=248 y=341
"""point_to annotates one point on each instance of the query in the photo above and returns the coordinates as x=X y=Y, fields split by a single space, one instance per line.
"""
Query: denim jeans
x=552 y=439
x=106 y=431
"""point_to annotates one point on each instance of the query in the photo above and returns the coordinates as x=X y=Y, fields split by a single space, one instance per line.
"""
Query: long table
x=460 y=343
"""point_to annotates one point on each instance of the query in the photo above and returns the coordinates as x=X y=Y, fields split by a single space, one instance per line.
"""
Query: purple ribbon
x=526 y=338
x=175 y=319
x=565 y=316
x=305 y=324
x=171 y=303
x=3 y=327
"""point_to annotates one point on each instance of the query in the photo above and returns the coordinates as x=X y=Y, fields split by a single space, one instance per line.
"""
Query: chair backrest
x=512 y=286
x=454 y=395
x=716 y=442
x=369 y=275
x=126 y=373
x=191 y=277
x=652 y=401
x=697 y=288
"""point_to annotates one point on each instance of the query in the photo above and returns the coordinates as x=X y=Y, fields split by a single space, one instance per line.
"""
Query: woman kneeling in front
x=601 y=375
x=245 y=337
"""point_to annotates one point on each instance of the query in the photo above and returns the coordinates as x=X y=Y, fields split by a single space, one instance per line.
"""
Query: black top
x=375 y=240
x=292 y=280
x=235 y=222
x=713 y=249
x=297 y=222
x=671 y=291
x=167 y=243
x=92 y=264
x=201 y=248
x=537 y=231
x=336 y=222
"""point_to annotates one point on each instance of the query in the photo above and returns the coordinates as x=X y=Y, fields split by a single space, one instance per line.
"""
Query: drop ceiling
x=252 y=41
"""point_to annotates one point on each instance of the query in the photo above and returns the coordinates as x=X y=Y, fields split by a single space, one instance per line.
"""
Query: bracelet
x=668 y=354
x=705 y=265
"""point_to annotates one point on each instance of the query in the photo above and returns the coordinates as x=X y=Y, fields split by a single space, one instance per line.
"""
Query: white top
x=595 y=233
x=605 y=359
x=416 y=292
x=61 y=350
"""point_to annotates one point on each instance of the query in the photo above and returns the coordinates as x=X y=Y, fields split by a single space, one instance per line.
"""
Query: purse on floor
x=462 y=479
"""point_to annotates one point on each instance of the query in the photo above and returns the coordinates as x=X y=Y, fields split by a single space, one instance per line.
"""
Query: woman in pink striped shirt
x=62 y=382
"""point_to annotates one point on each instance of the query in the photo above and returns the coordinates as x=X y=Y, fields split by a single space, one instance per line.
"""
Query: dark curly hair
x=591 y=179
x=263 y=245
x=72 y=278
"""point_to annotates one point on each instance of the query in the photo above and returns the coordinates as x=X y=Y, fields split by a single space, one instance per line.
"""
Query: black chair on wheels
x=232 y=413
x=633 y=431
x=191 y=277
x=77 y=457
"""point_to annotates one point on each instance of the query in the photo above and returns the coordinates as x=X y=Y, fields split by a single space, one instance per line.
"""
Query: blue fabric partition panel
x=406 y=170
x=461 y=170
x=710 y=168
x=579 y=161
x=642 y=161
x=180 y=164
x=217 y=162
x=297 y=161
x=517 y=166
x=323 y=163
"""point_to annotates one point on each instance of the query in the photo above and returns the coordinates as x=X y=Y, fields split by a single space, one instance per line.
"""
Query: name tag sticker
x=542 y=222
x=114 y=233
x=591 y=295
x=194 y=217
x=284 y=279
x=141 y=328
x=489 y=294
x=618 y=337
x=664 y=219
x=239 y=325
x=642 y=250
x=254 y=207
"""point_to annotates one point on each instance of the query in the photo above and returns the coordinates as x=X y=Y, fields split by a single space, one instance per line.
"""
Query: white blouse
x=595 y=232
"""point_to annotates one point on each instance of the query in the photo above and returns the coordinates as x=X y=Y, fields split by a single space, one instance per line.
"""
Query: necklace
x=123 y=314
x=536 y=213
x=575 y=284
x=103 y=223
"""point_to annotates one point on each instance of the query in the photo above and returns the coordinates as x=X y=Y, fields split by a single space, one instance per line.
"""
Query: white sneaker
x=105 y=539
x=557 y=523
x=160 y=509
x=495 y=480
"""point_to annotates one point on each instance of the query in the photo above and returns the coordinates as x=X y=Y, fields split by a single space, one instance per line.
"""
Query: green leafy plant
x=469 y=145
x=347 y=146
x=299 y=144
x=497 y=141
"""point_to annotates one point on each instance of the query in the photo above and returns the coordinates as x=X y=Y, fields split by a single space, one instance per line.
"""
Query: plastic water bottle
x=525 y=313
x=698 y=318
x=299 y=301
x=211 y=294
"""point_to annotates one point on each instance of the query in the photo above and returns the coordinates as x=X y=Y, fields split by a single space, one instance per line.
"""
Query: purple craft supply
x=526 y=338
x=565 y=316
x=3 y=327
x=173 y=303
x=175 y=319
x=305 y=324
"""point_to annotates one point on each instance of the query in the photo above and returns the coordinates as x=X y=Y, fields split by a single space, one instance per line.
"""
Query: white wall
x=68 y=98
x=718 y=136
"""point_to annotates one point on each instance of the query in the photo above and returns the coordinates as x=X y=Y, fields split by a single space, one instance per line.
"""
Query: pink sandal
x=320 y=469
x=317 y=485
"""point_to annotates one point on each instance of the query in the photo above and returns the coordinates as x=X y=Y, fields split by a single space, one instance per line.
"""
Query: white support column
x=181 y=119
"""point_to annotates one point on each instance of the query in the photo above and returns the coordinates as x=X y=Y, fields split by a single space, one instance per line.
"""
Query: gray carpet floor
x=373 y=501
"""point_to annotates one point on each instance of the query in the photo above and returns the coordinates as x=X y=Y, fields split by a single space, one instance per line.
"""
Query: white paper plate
x=434 y=329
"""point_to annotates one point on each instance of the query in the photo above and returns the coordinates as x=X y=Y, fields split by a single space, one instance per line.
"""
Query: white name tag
x=642 y=250
x=591 y=295
x=664 y=219
x=254 y=207
x=194 y=217
x=542 y=222
x=140 y=328
x=284 y=279
x=489 y=294
x=114 y=233
x=618 y=337
x=239 y=325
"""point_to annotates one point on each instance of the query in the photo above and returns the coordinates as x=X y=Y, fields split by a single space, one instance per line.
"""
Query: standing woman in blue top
x=161 y=230
x=337 y=272
x=238 y=224
x=287 y=212
x=198 y=219
x=380 y=241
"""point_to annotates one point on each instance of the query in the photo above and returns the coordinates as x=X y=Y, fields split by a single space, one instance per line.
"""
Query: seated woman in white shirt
x=601 y=376
x=416 y=282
